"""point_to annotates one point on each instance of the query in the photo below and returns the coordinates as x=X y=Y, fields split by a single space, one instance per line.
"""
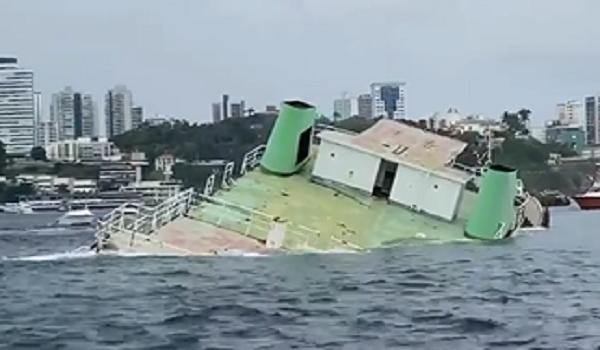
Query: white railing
x=246 y=221
x=227 y=179
x=209 y=186
x=134 y=220
x=252 y=159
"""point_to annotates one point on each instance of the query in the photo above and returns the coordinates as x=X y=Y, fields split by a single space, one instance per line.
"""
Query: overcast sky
x=178 y=56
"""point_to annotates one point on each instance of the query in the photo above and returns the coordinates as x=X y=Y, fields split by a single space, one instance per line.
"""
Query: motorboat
x=17 y=208
x=79 y=217
x=589 y=200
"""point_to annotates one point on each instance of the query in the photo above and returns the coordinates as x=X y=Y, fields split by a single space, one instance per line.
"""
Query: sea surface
x=538 y=291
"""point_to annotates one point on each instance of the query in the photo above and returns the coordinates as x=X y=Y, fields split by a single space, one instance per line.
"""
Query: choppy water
x=539 y=291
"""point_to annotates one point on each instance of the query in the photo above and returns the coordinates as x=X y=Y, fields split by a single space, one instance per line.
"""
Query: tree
x=38 y=153
x=2 y=157
x=517 y=122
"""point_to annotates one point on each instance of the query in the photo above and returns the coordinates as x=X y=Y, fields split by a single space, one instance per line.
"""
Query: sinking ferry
x=332 y=191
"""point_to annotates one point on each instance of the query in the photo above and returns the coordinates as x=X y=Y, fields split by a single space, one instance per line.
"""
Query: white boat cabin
x=407 y=165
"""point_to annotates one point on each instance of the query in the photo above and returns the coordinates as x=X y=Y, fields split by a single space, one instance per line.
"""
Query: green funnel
x=494 y=214
x=288 y=147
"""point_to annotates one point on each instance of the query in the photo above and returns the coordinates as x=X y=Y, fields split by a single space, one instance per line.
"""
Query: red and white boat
x=589 y=200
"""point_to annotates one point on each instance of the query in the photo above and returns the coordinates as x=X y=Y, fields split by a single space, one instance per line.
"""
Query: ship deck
x=328 y=218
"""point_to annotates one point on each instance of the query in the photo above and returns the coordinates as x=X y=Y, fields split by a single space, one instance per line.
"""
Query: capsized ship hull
x=387 y=185
x=324 y=218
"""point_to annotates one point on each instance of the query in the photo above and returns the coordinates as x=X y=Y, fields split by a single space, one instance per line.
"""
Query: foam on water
x=79 y=253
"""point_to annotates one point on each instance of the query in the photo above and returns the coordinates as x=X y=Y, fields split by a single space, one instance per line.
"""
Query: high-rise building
x=225 y=106
x=37 y=118
x=89 y=115
x=271 y=109
x=592 y=120
x=137 y=116
x=236 y=110
x=17 y=114
x=389 y=100
x=73 y=113
x=365 y=106
x=62 y=113
x=216 y=112
x=117 y=109
x=342 y=108
x=46 y=133
x=569 y=113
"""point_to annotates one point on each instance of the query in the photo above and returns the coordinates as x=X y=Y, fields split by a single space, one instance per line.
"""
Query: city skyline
x=485 y=58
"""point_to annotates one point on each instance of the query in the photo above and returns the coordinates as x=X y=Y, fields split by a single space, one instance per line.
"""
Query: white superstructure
x=407 y=165
x=17 y=116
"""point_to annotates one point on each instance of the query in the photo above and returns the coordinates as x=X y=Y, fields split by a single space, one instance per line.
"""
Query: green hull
x=326 y=218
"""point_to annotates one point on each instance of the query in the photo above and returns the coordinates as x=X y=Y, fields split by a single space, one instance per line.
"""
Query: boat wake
x=82 y=252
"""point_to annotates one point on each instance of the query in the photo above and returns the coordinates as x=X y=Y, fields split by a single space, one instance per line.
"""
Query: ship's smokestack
x=288 y=148
x=494 y=214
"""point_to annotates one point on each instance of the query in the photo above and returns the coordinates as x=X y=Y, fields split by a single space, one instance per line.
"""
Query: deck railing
x=144 y=220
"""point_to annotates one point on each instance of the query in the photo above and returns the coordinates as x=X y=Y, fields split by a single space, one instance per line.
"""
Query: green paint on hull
x=284 y=154
x=343 y=220
x=494 y=214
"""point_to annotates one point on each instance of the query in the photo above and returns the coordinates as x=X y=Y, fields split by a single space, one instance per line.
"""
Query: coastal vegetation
x=38 y=153
x=229 y=139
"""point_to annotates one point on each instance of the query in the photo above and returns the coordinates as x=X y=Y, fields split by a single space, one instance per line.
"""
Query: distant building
x=216 y=112
x=342 y=109
x=447 y=119
x=137 y=116
x=570 y=113
x=46 y=133
x=389 y=100
x=154 y=190
x=164 y=164
x=478 y=124
x=113 y=175
x=37 y=112
x=73 y=113
x=225 y=107
x=157 y=120
x=571 y=136
x=236 y=110
x=118 y=110
x=365 y=106
x=17 y=110
x=83 y=149
x=592 y=120
x=271 y=109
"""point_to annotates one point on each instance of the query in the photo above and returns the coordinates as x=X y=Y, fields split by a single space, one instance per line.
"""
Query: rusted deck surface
x=185 y=236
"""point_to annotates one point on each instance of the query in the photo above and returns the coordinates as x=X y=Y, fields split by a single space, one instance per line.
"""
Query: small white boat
x=17 y=208
x=80 y=217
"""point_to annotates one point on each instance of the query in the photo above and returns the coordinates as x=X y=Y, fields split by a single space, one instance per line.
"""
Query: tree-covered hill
x=229 y=139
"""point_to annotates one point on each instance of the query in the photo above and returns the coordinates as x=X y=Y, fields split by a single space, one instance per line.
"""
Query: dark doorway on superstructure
x=385 y=179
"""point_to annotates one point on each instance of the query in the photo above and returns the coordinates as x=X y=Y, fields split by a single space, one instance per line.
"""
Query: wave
x=44 y=231
x=82 y=252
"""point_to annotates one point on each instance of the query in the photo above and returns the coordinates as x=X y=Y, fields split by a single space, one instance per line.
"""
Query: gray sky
x=178 y=56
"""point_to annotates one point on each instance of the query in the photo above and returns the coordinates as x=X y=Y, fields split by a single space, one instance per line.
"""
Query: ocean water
x=538 y=291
